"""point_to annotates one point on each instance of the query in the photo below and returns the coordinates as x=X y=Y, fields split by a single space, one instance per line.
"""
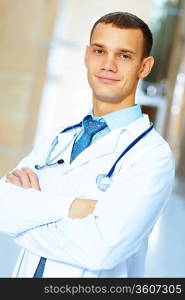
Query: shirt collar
x=120 y=118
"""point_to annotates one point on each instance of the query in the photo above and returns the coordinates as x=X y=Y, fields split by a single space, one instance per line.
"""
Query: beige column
x=176 y=57
x=25 y=28
x=174 y=129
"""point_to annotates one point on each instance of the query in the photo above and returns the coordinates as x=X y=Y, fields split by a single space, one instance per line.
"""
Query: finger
x=23 y=178
x=13 y=179
x=34 y=181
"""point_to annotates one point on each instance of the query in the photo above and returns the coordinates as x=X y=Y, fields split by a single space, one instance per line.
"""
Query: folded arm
x=24 y=206
x=122 y=219
x=26 y=178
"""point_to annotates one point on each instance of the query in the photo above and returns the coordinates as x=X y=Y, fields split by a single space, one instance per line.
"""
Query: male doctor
x=71 y=220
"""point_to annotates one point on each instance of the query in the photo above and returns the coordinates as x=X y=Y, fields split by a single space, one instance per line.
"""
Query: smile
x=105 y=79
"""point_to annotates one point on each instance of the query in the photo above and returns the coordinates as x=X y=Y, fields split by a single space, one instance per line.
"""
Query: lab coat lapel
x=103 y=146
x=66 y=137
x=65 y=143
x=108 y=144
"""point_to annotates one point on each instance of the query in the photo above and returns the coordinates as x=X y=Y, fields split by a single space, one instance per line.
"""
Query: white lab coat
x=112 y=242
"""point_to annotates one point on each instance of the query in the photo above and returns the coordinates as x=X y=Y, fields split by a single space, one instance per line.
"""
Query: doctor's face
x=114 y=63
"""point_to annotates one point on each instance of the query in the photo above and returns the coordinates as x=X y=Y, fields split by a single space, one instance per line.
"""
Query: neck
x=101 y=108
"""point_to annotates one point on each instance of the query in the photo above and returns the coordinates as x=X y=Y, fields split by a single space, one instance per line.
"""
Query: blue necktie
x=40 y=268
x=91 y=127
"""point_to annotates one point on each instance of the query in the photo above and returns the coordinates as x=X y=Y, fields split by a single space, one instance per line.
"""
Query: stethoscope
x=103 y=181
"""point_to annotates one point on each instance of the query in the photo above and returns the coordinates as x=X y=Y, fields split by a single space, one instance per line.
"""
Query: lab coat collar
x=65 y=143
x=99 y=148
x=103 y=146
x=138 y=126
x=65 y=137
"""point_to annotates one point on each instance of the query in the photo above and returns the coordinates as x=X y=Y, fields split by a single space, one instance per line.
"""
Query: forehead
x=113 y=37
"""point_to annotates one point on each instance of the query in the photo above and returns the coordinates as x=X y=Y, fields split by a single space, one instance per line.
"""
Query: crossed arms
x=26 y=178
x=94 y=235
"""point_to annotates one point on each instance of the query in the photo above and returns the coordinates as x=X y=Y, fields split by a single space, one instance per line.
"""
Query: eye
x=125 y=56
x=98 y=51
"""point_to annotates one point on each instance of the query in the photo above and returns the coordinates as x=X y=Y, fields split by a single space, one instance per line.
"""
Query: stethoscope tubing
x=53 y=145
x=111 y=171
x=102 y=176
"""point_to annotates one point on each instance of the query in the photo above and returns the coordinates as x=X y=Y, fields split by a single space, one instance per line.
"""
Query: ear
x=146 y=67
x=86 y=55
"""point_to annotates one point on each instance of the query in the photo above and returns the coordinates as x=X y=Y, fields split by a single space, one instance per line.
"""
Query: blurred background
x=43 y=85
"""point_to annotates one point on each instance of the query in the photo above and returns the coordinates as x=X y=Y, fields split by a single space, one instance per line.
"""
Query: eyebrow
x=119 y=49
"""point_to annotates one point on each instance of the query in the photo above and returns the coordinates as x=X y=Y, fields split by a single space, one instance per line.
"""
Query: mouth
x=106 y=79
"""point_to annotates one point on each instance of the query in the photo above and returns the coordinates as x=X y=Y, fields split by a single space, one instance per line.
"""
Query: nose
x=109 y=64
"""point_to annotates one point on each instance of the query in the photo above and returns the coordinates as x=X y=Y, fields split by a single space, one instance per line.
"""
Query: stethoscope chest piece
x=103 y=182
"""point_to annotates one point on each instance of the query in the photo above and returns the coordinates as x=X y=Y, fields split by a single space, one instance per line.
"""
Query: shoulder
x=152 y=149
x=152 y=143
x=156 y=151
x=157 y=144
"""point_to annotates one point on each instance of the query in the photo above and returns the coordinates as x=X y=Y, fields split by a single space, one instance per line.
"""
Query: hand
x=25 y=178
x=81 y=208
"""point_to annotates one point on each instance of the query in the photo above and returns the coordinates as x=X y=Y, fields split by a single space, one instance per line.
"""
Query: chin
x=107 y=98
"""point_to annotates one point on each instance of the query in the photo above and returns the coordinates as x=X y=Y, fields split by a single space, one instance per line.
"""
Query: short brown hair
x=128 y=20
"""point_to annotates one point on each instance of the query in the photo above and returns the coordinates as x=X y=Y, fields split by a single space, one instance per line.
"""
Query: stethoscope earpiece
x=59 y=162
x=37 y=167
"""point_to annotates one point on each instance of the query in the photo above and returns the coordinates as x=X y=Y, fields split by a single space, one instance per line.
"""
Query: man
x=70 y=220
